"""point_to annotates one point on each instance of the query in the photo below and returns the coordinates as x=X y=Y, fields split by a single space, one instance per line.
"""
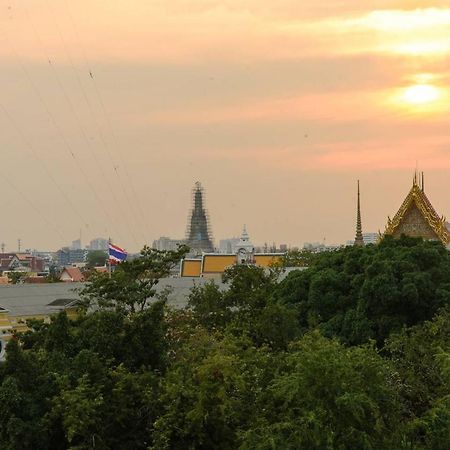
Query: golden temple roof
x=417 y=197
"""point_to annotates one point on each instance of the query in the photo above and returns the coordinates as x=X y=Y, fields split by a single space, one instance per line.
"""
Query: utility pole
x=19 y=244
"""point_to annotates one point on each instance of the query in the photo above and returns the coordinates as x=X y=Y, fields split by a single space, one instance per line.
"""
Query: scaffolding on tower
x=198 y=233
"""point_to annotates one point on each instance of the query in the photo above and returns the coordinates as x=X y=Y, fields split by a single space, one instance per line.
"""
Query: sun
x=421 y=94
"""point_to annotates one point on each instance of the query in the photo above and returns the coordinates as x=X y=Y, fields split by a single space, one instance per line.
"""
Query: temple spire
x=198 y=234
x=359 y=241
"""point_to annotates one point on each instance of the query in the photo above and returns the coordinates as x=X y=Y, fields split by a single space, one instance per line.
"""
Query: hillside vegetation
x=351 y=353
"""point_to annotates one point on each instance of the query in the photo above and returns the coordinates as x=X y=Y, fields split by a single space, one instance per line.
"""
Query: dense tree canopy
x=350 y=353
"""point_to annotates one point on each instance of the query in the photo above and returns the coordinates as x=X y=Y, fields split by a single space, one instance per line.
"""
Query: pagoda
x=417 y=217
x=359 y=240
x=198 y=234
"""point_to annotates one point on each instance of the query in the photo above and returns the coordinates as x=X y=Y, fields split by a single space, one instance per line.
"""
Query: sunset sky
x=111 y=110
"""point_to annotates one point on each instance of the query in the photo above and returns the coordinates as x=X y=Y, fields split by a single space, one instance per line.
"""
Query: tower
x=359 y=241
x=244 y=248
x=198 y=234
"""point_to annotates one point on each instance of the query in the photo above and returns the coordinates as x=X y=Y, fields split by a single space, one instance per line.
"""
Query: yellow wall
x=191 y=268
x=267 y=260
x=217 y=263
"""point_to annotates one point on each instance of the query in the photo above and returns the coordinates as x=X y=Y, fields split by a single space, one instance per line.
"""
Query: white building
x=371 y=238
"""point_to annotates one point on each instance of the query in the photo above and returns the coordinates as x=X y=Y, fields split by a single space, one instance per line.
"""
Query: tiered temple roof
x=417 y=217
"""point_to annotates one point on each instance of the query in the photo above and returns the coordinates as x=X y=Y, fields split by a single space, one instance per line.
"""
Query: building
x=167 y=244
x=417 y=217
x=371 y=238
x=214 y=264
x=244 y=247
x=18 y=303
x=21 y=262
x=21 y=302
x=76 y=245
x=67 y=256
x=71 y=275
x=227 y=245
x=198 y=234
x=99 y=244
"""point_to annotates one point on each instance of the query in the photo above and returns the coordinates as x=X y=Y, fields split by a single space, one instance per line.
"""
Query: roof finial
x=359 y=241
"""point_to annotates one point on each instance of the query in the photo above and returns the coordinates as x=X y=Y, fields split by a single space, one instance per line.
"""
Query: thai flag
x=116 y=254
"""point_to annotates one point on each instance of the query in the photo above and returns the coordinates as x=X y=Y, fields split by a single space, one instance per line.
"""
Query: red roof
x=74 y=273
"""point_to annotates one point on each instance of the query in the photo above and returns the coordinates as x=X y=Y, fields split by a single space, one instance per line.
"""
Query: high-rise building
x=198 y=234
x=165 y=243
x=76 y=245
x=99 y=244
x=228 y=245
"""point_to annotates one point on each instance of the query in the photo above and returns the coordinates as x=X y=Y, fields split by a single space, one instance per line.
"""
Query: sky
x=110 y=111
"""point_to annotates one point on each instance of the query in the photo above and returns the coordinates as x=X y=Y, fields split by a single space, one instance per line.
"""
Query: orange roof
x=23 y=256
x=191 y=267
x=74 y=273
x=216 y=262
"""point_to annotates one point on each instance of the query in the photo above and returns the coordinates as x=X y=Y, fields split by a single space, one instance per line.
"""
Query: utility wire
x=110 y=127
x=32 y=151
x=31 y=204
x=73 y=110
x=57 y=128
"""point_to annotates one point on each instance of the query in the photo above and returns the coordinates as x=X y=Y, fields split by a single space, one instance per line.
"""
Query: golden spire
x=359 y=241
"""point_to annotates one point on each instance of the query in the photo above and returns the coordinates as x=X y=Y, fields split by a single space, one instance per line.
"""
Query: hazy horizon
x=111 y=111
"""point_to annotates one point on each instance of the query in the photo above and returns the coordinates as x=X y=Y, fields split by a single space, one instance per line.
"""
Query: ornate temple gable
x=417 y=217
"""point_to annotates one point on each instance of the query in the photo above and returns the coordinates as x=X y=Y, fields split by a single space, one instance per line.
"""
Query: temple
x=198 y=235
x=213 y=265
x=417 y=217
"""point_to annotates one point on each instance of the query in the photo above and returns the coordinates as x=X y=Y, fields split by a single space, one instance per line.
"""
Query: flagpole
x=109 y=259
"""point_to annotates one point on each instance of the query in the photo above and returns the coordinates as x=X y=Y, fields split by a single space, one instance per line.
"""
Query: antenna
x=19 y=244
x=3 y=247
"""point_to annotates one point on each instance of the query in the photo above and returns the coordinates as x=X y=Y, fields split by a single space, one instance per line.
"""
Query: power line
x=56 y=125
x=73 y=110
x=11 y=184
x=48 y=173
x=111 y=128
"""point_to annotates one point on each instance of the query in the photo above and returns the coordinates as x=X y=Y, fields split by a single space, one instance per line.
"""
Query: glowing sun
x=421 y=94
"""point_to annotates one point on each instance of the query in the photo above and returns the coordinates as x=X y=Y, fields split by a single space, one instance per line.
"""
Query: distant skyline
x=111 y=111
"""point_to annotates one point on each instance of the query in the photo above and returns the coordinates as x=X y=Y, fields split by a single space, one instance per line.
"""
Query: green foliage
x=351 y=353
x=363 y=293
x=96 y=258
x=246 y=307
x=16 y=277
x=53 y=275
x=132 y=283
x=298 y=258
x=327 y=396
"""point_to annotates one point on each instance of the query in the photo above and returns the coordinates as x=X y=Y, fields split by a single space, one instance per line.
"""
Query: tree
x=96 y=258
x=246 y=307
x=327 y=396
x=15 y=277
x=132 y=283
x=362 y=293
